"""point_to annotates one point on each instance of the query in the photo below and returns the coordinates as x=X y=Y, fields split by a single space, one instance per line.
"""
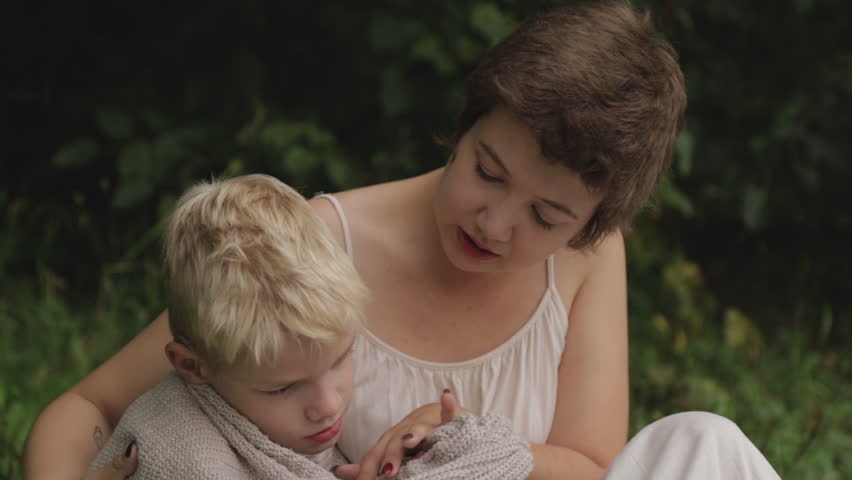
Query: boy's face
x=298 y=401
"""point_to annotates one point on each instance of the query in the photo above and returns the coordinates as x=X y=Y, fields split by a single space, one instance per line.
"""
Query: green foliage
x=47 y=343
x=794 y=402
x=739 y=290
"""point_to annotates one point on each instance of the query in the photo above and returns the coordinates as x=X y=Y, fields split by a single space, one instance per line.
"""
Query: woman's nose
x=495 y=223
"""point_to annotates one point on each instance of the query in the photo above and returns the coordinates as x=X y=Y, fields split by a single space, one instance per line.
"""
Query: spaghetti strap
x=347 y=238
x=551 y=272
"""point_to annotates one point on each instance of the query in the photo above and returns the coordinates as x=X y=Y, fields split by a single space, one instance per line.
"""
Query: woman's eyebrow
x=562 y=208
x=495 y=157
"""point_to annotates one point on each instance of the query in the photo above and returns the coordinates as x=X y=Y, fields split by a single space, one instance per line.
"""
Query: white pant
x=691 y=445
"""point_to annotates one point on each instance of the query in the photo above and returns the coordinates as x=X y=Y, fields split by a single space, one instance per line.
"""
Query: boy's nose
x=325 y=403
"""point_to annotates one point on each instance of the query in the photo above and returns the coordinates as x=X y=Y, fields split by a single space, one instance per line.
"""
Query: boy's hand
x=120 y=468
x=409 y=438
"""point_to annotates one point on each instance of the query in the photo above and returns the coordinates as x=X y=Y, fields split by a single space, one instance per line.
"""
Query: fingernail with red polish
x=407 y=436
x=388 y=468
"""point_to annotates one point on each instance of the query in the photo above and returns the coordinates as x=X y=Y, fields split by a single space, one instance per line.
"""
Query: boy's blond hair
x=250 y=267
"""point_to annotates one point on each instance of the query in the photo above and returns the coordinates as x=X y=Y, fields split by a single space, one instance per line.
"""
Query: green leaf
x=339 y=172
x=753 y=207
x=389 y=34
x=155 y=120
x=489 y=21
x=79 y=153
x=114 y=123
x=134 y=169
x=236 y=166
x=280 y=134
x=429 y=48
x=684 y=148
x=741 y=333
x=300 y=160
x=672 y=197
x=396 y=92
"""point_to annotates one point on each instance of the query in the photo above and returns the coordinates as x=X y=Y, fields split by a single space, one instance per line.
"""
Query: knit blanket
x=188 y=431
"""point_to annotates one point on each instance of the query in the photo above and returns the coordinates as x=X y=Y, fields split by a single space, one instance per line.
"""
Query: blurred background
x=739 y=272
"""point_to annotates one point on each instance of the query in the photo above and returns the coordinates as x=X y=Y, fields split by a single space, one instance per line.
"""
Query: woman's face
x=500 y=205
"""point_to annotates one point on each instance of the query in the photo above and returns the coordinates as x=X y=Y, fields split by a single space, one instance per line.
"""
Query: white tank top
x=517 y=379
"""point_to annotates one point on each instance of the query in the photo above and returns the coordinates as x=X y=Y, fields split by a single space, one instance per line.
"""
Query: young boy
x=263 y=307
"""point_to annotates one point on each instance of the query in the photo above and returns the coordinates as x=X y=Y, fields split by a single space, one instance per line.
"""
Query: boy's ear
x=186 y=363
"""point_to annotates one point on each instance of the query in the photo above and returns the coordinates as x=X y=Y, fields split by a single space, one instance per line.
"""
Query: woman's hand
x=120 y=468
x=409 y=438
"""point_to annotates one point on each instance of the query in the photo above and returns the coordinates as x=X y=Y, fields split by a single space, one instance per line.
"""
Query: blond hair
x=249 y=267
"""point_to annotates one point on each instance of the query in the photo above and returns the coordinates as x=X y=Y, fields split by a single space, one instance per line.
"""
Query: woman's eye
x=541 y=221
x=485 y=175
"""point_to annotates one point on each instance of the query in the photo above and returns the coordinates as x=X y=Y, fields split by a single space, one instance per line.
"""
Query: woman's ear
x=186 y=363
x=453 y=155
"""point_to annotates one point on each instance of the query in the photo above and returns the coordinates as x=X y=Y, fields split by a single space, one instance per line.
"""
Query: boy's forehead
x=296 y=360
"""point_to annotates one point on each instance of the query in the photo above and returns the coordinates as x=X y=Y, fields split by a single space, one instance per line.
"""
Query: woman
x=500 y=276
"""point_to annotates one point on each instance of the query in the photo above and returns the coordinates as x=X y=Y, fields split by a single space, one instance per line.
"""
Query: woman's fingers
x=416 y=442
x=392 y=457
x=413 y=442
x=370 y=463
x=385 y=457
x=347 y=471
x=120 y=468
x=449 y=407
x=416 y=435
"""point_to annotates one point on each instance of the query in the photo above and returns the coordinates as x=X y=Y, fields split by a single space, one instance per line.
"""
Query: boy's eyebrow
x=285 y=381
x=558 y=206
x=345 y=352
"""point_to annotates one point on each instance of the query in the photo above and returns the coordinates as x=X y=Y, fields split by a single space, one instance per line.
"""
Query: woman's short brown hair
x=602 y=92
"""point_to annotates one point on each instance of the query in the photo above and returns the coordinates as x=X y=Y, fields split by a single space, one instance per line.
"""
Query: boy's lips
x=328 y=433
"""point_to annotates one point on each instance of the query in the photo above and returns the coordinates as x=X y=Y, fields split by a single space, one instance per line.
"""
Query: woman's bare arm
x=590 y=423
x=69 y=432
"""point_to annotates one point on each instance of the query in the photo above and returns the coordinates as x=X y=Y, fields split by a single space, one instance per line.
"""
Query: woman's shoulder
x=575 y=268
x=367 y=211
x=376 y=208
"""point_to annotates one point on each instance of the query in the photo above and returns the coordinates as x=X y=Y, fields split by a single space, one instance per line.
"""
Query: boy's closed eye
x=285 y=387
x=278 y=391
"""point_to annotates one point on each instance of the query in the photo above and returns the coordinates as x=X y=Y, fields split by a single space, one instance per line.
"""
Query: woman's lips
x=328 y=433
x=471 y=248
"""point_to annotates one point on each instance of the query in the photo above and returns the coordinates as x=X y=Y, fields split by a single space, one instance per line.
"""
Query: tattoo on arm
x=99 y=437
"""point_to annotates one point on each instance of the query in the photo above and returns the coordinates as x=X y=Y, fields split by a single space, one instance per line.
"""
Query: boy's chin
x=314 y=449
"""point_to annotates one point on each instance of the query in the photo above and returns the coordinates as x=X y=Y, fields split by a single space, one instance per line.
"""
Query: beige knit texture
x=473 y=448
x=187 y=431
